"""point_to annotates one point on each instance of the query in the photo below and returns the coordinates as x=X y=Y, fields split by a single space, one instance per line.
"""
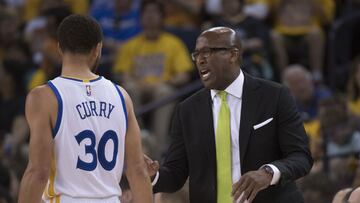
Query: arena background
x=311 y=46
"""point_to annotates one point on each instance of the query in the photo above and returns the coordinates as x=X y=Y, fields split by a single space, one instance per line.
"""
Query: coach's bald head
x=218 y=55
x=223 y=35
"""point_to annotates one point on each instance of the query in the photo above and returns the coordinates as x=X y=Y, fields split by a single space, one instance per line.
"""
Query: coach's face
x=216 y=60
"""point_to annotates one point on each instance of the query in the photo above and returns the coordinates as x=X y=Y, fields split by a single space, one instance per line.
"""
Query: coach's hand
x=250 y=184
x=152 y=166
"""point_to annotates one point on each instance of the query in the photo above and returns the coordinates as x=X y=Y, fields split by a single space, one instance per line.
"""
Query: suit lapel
x=250 y=101
x=206 y=125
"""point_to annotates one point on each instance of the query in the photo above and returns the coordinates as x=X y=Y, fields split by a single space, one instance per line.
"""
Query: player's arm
x=136 y=171
x=37 y=109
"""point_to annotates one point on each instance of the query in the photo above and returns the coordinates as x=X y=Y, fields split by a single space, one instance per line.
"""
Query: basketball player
x=83 y=130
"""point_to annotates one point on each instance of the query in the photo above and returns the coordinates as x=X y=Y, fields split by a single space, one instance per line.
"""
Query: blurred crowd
x=311 y=46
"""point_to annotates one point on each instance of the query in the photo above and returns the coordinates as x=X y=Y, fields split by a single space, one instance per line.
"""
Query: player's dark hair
x=79 y=34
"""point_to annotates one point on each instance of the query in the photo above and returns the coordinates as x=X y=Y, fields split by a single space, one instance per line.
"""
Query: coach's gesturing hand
x=152 y=166
x=250 y=184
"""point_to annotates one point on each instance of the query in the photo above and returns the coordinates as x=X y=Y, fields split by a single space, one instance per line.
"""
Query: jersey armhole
x=123 y=105
x=60 y=108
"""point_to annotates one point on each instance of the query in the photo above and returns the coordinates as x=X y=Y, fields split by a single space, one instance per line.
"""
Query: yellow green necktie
x=223 y=152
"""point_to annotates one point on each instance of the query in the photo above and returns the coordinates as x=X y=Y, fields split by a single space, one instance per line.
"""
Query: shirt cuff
x=276 y=176
x=155 y=179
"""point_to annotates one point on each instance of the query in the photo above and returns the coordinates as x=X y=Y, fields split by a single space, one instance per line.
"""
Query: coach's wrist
x=155 y=178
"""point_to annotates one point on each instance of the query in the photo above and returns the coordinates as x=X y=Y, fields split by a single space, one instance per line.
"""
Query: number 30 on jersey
x=99 y=153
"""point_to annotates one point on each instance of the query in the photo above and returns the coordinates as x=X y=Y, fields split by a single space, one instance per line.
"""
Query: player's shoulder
x=125 y=94
x=41 y=95
x=122 y=91
x=39 y=92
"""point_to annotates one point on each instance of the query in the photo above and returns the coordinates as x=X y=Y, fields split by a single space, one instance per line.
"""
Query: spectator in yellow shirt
x=152 y=65
x=300 y=22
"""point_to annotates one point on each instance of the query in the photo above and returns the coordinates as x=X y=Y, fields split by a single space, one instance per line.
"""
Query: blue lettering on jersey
x=78 y=107
x=111 y=108
x=86 y=109
x=93 y=108
x=102 y=108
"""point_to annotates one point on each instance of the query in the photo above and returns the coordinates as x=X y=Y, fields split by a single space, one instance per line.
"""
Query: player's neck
x=77 y=66
x=77 y=72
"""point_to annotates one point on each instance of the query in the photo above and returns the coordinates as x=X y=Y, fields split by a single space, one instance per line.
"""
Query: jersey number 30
x=98 y=153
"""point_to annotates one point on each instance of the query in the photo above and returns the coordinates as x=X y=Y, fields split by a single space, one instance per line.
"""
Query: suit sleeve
x=174 y=171
x=293 y=141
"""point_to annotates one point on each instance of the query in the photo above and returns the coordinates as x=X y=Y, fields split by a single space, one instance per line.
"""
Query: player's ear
x=98 y=49
x=100 y=44
x=59 y=49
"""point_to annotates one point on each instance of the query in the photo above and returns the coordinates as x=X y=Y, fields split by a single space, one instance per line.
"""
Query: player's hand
x=152 y=166
x=250 y=184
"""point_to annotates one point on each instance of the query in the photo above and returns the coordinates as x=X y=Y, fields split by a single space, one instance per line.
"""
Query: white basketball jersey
x=89 y=140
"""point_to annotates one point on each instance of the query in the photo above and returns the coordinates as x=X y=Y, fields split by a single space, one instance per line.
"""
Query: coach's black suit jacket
x=282 y=142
